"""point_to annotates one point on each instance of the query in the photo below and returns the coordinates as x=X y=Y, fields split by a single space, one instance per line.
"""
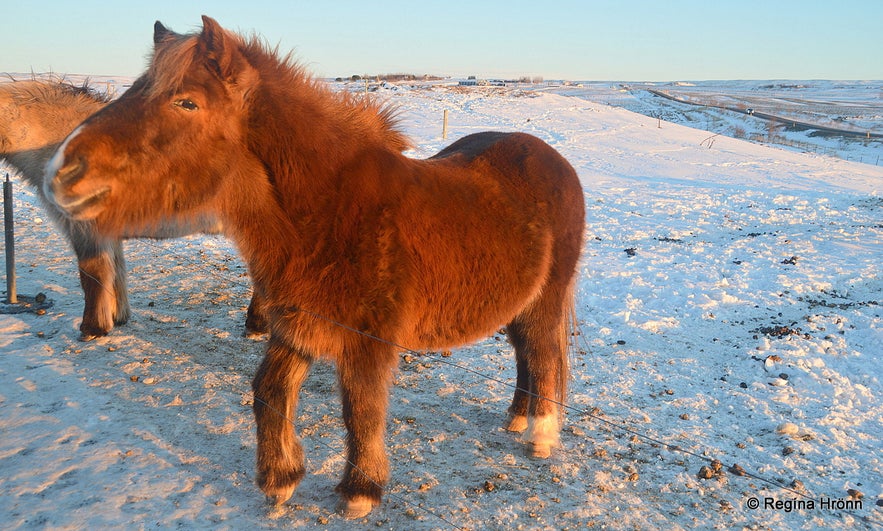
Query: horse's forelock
x=171 y=61
x=176 y=55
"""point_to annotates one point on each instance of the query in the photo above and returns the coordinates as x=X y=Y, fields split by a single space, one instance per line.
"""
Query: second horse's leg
x=102 y=275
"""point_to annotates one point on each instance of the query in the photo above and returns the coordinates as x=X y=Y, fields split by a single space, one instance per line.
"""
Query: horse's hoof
x=276 y=500
x=542 y=435
x=122 y=317
x=540 y=450
x=89 y=335
x=256 y=335
x=517 y=423
x=357 y=507
x=279 y=497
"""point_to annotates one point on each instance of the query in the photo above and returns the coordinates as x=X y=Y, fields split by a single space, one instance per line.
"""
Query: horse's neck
x=264 y=231
x=305 y=135
x=302 y=150
x=31 y=162
x=283 y=231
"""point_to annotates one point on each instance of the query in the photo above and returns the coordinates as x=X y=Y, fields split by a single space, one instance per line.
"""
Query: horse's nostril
x=71 y=172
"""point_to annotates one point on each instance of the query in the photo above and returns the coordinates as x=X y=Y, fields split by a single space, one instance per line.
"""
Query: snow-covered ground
x=855 y=106
x=728 y=307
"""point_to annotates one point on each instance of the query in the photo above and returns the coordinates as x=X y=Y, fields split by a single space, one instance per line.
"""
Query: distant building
x=471 y=81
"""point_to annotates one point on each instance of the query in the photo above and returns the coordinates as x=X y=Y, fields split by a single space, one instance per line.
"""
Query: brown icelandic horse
x=359 y=250
x=35 y=116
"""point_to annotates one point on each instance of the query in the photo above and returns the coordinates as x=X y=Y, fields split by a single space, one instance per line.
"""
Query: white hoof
x=543 y=435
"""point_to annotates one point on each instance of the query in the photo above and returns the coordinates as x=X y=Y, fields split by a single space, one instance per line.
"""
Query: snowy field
x=729 y=352
x=855 y=106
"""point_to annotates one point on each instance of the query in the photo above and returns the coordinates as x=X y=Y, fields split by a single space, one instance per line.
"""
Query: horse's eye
x=187 y=105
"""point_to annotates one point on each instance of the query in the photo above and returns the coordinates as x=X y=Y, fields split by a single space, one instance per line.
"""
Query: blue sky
x=628 y=40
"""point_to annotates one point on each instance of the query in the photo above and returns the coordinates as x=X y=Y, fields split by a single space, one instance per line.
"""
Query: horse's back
x=475 y=144
x=9 y=114
x=526 y=169
x=519 y=156
x=540 y=183
x=493 y=219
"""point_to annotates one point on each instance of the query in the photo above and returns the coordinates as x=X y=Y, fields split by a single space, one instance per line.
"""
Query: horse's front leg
x=280 y=458
x=102 y=272
x=120 y=284
x=365 y=375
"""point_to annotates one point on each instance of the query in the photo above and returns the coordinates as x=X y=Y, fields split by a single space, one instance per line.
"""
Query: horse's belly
x=472 y=296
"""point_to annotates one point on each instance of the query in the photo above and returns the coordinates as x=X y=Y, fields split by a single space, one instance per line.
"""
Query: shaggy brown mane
x=364 y=115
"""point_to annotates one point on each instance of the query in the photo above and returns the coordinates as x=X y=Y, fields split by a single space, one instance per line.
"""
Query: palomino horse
x=360 y=251
x=35 y=116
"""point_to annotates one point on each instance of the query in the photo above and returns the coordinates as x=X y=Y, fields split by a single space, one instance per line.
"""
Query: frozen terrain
x=728 y=307
x=806 y=114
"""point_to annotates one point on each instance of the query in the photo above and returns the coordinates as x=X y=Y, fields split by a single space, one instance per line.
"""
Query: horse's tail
x=568 y=330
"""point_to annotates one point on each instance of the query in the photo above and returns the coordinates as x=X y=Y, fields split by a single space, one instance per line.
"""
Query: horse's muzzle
x=75 y=204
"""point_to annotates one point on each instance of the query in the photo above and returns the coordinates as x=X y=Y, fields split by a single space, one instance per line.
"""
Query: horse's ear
x=160 y=32
x=219 y=48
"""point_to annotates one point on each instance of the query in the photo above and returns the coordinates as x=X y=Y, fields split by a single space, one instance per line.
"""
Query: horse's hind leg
x=256 y=323
x=539 y=338
x=518 y=410
x=365 y=376
x=280 y=458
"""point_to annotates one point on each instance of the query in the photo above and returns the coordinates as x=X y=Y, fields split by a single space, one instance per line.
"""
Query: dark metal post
x=11 y=295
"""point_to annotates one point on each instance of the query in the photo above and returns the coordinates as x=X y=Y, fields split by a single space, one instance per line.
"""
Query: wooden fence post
x=11 y=295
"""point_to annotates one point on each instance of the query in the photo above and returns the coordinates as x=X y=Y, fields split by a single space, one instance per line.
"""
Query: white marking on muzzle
x=55 y=164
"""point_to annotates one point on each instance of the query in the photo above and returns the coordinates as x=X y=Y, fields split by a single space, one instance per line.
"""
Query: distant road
x=773 y=118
